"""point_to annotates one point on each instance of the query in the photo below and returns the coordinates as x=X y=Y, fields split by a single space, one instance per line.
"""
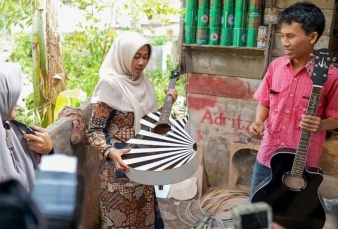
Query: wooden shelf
x=197 y=46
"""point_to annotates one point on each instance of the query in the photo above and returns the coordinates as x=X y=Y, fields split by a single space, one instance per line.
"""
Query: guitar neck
x=167 y=105
x=304 y=142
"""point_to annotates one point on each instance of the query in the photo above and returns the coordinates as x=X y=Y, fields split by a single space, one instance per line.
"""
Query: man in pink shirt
x=284 y=93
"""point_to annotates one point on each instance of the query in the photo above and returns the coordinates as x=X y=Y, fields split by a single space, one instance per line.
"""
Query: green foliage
x=84 y=50
x=160 y=40
x=160 y=80
x=153 y=8
x=83 y=53
x=22 y=53
x=15 y=13
x=29 y=116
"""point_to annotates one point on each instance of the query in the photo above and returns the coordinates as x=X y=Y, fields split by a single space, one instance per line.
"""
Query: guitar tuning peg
x=329 y=59
x=316 y=66
x=314 y=74
x=334 y=59
x=311 y=55
x=317 y=57
x=326 y=67
x=324 y=75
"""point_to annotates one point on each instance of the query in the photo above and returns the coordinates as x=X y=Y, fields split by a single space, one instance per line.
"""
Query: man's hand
x=115 y=155
x=40 y=142
x=311 y=123
x=256 y=130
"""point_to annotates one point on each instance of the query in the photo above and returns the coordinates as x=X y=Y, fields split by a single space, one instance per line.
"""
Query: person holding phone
x=18 y=159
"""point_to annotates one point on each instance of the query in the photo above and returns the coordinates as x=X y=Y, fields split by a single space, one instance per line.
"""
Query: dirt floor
x=184 y=214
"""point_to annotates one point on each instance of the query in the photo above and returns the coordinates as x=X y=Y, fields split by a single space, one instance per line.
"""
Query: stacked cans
x=239 y=38
x=254 y=20
x=202 y=33
x=215 y=15
x=190 y=21
x=227 y=22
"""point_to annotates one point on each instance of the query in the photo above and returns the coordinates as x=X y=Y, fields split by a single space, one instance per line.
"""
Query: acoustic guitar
x=162 y=152
x=292 y=188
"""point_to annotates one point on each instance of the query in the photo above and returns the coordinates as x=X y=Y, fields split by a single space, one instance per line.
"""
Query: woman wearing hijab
x=17 y=160
x=120 y=99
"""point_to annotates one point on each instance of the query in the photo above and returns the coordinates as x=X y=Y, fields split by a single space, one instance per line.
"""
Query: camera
x=55 y=202
x=252 y=216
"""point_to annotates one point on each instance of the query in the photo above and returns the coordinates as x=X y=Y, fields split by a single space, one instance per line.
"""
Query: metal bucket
x=253 y=20
x=255 y=5
x=226 y=37
x=202 y=35
x=214 y=37
x=240 y=19
x=228 y=5
x=251 y=38
x=215 y=18
x=239 y=38
x=215 y=4
x=228 y=19
x=203 y=17
x=190 y=35
x=191 y=17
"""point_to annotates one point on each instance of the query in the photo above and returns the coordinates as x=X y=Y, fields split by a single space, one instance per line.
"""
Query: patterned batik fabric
x=124 y=203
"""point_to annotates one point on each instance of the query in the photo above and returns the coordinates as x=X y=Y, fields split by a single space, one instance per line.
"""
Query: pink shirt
x=287 y=94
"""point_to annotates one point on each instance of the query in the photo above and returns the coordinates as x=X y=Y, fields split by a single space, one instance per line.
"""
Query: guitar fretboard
x=168 y=102
x=304 y=142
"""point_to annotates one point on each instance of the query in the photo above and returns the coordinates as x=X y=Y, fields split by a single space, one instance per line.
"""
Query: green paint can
x=253 y=20
x=191 y=17
x=239 y=38
x=215 y=4
x=228 y=5
x=251 y=37
x=255 y=5
x=240 y=19
x=203 y=2
x=227 y=19
x=241 y=5
x=214 y=36
x=190 y=4
x=203 y=17
x=190 y=35
x=226 y=37
x=202 y=35
x=215 y=18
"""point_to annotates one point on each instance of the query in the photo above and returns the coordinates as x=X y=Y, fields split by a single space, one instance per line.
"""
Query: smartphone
x=252 y=216
x=25 y=129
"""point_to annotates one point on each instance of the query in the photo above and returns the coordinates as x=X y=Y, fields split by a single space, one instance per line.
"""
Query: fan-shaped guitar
x=162 y=152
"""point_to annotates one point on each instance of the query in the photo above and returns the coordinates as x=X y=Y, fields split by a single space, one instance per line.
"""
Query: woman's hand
x=172 y=93
x=40 y=142
x=115 y=155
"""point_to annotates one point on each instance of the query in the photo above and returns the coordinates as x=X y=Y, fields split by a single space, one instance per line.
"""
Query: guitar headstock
x=174 y=74
x=323 y=59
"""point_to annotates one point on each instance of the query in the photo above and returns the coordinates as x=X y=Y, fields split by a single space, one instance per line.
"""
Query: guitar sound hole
x=294 y=182
x=162 y=129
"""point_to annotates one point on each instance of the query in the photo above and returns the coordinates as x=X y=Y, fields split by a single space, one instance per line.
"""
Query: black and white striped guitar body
x=162 y=152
